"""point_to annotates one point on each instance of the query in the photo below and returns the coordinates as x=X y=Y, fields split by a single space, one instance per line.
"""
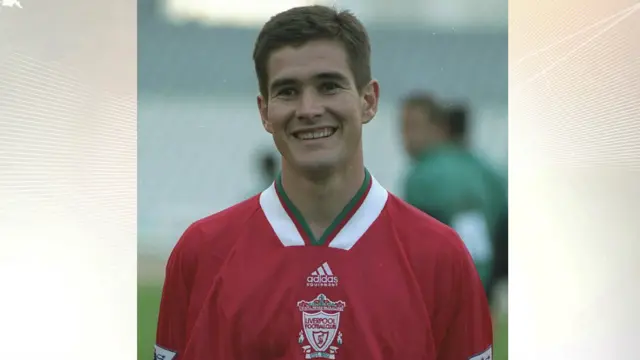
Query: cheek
x=277 y=117
x=349 y=112
x=416 y=127
x=282 y=143
x=412 y=134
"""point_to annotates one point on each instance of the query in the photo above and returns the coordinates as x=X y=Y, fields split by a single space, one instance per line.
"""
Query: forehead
x=314 y=57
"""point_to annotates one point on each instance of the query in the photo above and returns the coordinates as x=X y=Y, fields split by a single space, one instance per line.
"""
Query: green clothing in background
x=455 y=187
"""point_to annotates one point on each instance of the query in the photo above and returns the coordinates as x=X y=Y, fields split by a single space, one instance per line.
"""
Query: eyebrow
x=330 y=75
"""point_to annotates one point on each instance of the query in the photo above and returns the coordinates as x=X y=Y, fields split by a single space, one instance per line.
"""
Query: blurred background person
x=267 y=168
x=444 y=181
x=458 y=114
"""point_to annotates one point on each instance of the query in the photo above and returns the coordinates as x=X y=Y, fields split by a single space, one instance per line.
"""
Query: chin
x=318 y=165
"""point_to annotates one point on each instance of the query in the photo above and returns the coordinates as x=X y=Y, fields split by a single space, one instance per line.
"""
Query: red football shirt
x=385 y=282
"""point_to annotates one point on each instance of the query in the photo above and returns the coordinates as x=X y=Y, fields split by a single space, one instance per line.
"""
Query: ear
x=371 y=95
x=264 y=109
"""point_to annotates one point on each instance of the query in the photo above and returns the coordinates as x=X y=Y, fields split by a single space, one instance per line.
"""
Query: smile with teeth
x=315 y=134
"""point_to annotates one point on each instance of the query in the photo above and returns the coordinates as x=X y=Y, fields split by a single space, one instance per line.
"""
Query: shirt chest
x=321 y=303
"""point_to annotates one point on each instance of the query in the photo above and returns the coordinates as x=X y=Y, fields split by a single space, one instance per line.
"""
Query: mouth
x=314 y=134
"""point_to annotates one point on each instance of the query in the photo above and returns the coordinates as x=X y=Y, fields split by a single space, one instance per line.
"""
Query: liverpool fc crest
x=320 y=327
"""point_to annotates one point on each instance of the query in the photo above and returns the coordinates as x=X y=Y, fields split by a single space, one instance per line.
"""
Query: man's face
x=414 y=130
x=313 y=108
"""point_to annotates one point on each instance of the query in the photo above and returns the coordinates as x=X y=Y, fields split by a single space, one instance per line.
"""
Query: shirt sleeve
x=212 y=336
x=468 y=330
x=171 y=335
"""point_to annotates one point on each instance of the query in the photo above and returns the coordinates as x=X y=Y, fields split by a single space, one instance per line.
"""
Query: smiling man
x=325 y=263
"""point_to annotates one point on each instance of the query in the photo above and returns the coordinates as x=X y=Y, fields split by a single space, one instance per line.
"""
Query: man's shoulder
x=217 y=231
x=447 y=180
x=441 y=168
x=423 y=234
x=232 y=216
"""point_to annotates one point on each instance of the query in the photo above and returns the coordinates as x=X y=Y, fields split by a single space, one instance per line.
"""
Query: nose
x=309 y=106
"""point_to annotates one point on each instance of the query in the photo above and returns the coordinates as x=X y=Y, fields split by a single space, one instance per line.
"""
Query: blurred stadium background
x=199 y=136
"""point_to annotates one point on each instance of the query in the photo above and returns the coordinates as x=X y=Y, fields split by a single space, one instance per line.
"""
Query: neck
x=320 y=200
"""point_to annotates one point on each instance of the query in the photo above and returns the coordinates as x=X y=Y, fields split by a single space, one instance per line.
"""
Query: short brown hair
x=428 y=104
x=458 y=121
x=297 y=26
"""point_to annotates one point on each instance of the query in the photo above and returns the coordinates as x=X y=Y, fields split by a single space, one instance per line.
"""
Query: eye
x=330 y=87
x=286 y=92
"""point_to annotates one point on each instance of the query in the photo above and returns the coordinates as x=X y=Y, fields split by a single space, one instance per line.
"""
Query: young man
x=325 y=263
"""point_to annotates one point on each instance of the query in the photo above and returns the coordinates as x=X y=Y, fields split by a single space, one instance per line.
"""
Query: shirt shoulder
x=426 y=238
x=437 y=255
x=216 y=234
x=442 y=167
